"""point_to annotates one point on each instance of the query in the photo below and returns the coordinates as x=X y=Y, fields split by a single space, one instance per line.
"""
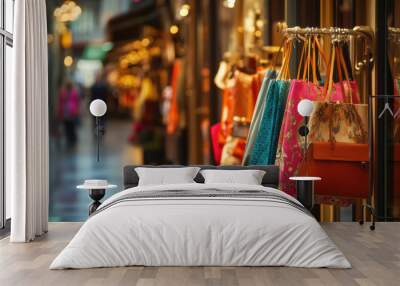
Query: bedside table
x=305 y=190
x=97 y=190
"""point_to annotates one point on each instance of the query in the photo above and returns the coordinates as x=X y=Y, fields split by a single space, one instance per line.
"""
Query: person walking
x=68 y=112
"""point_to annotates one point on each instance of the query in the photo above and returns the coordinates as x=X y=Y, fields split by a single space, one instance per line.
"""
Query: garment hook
x=386 y=108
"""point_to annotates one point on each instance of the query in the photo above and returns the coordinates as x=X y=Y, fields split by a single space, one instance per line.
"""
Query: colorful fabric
x=343 y=90
x=226 y=115
x=147 y=92
x=233 y=150
x=238 y=100
x=244 y=92
x=217 y=147
x=266 y=142
x=257 y=115
x=173 y=115
x=396 y=135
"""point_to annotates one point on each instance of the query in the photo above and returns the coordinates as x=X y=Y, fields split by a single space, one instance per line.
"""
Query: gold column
x=192 y=87
x=327 y=212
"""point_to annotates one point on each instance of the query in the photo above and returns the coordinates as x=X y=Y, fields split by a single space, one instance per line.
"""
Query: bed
x=198 y=224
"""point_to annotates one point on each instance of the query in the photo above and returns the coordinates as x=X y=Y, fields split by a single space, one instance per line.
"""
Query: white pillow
x=248 y=177
x=164 y=176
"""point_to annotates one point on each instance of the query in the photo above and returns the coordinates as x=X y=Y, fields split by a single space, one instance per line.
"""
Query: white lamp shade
x=98 y=107
x=305 y=107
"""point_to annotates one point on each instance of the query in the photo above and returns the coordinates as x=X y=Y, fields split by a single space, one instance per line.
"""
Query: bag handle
x=284 y=71
x=346 y=73
x=329 y=76
x=284 y=56
x=307 y=61
x=305 y=43
x=311 y=62
x=321 y=51
x=279 y=52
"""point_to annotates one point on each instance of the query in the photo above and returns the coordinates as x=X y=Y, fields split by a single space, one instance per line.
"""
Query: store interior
x=191 y=82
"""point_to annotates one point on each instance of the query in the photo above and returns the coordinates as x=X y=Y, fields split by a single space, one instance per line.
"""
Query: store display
x=338 y=115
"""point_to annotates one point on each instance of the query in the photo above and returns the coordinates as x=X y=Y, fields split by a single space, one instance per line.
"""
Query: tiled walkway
x=70 y=168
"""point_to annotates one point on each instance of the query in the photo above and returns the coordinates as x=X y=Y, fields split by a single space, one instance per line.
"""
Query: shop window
x=9 y=15
x=6 y=44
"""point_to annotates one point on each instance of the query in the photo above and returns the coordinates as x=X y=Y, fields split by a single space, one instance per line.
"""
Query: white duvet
x=200 y=231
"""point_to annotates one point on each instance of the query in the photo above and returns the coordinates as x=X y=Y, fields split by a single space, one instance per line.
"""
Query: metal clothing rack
x=358 y=30
x=366 y=62
x=364 y=32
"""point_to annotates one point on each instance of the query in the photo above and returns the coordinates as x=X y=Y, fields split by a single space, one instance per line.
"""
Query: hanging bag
x=266 y=139
x=257 y=115
x=338 y=121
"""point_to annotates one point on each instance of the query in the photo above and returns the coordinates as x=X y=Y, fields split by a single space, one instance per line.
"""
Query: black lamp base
x=305 y=193
x=96 y=195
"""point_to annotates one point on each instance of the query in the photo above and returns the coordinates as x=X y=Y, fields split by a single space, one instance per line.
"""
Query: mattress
x=201 y=225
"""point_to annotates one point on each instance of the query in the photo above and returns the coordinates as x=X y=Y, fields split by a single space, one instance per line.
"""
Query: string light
x=174 y=29
x=145 y=42
x=229 y=3
x=68 y=61
x=50 y=38
x=69 y=11
x=184 y=11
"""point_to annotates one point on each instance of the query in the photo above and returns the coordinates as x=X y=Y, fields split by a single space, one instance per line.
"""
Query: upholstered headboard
x=270 y=179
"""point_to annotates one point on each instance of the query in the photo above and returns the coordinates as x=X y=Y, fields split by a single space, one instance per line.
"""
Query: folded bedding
x=201 y=225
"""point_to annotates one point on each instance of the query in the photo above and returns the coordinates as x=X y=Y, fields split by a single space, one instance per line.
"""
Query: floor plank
x=375 y=257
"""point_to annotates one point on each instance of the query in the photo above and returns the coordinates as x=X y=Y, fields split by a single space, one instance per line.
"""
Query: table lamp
x=98 y=108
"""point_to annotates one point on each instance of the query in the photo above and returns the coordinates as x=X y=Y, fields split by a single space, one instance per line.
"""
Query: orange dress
x=173 y=115
x=238 y=100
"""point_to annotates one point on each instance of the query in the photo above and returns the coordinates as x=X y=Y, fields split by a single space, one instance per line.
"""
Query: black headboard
x=270 y=179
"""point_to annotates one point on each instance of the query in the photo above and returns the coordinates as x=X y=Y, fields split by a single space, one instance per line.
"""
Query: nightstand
x=97 y=190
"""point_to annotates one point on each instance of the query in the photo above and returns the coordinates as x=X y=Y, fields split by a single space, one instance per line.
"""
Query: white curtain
x=27 y=124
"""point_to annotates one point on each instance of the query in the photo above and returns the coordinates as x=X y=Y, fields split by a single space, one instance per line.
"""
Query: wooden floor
x=375 y=257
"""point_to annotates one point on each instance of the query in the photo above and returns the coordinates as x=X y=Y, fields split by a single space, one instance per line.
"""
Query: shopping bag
x=339 y=121
x=291 y=145
x=257 y=115
x=266 y=141
x=349 y=162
